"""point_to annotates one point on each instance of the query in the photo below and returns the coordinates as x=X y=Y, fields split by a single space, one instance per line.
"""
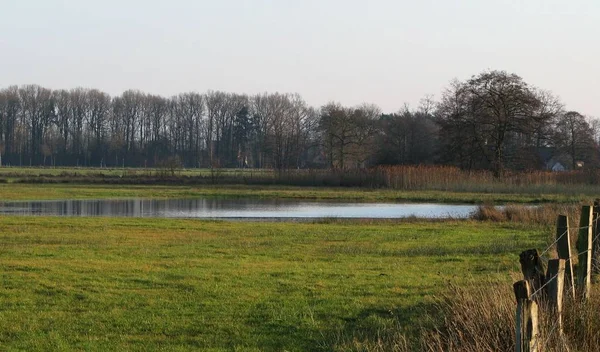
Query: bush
x=169 y=165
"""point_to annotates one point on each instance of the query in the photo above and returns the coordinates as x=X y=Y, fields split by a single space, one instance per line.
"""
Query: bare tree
x=116 y=129
x=38 y=112
x=486 y=111
x=408 y=137
x=78 y=115
x=216 y=110
x=574 y=136
x=189 y=108
x=99 y=104
x=348 y=133
x=493 y=120
x=132 y=105
x=262 y=119
x=156 y=126
x=10 y=109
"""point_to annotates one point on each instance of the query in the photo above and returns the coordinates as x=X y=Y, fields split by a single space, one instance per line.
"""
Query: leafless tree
x=99 y=104
x=408 y=137
x=574 y=136
x=484 y=113
x=189 y=108
x=493 y=120
x=10 y=107
x=38 y=112
x=348 y=133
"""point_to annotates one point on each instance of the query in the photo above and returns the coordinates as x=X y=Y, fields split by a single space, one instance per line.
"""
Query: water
x=230 y=208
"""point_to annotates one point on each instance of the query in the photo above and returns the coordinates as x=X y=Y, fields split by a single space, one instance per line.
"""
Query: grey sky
x=378 y=51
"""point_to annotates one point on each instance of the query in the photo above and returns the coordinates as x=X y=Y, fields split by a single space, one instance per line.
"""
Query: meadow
x=131 y=284
x=174 y=285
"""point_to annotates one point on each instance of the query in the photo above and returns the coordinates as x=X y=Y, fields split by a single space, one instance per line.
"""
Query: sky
x=389 y=53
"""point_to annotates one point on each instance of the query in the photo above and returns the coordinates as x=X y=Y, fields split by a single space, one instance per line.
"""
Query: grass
x=482 y=318
x=175 y=285
x=13 y=191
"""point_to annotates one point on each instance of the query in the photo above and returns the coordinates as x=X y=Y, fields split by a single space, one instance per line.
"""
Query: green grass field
x=121 y=284
x=126 y=284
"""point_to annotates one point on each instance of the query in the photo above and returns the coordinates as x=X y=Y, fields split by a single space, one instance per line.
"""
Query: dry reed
x=403 y=177
x=482 y=318
x=544 y=214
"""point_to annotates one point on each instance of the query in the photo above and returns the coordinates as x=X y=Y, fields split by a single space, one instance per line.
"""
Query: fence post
x=533 y=269
x=595 y=230
x=563 y=247
x=527 y=318
x=555 y=277
x=584 y=248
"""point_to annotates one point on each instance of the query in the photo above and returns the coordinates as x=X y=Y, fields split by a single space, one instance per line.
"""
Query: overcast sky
x=351 y=51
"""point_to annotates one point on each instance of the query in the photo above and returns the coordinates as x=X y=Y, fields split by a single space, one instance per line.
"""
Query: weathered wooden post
x=555 y=277
x=563 y=247
x=527 y=318
x=595 y=231
x=533 y=269
x=584 y=248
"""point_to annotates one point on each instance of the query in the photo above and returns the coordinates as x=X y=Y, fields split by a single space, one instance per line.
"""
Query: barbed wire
x=542 y=287
x=555 y=242
x=590 y=248
x=571 y=257
x=566 y=232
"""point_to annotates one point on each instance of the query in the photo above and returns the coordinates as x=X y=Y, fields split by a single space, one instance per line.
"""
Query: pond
x=233 y=208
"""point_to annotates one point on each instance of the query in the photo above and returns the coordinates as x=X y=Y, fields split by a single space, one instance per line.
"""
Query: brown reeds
x=402 y=177
x=544 y=214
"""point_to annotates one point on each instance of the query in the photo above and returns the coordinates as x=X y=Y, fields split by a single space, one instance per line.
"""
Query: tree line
x=493 y=120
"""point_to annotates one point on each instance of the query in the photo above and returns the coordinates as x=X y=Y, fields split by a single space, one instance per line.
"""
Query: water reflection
x=231 y=208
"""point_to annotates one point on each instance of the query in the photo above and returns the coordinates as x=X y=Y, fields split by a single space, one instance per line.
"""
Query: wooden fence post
x=595 y=231
x=533 y=269
x=555 y=277
x=563 y=247
x=527 y=318
x=584 y=248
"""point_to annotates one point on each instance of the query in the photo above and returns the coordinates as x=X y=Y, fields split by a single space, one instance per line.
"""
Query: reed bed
x=544 y=214
x=407 y=178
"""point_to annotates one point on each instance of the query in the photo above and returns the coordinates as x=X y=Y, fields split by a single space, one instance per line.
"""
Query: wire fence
x=546 y=284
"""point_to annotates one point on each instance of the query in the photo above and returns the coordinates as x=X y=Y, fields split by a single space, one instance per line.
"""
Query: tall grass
x=477 y=318
x=544 y=214
x=442 y=178
x=482 y=318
